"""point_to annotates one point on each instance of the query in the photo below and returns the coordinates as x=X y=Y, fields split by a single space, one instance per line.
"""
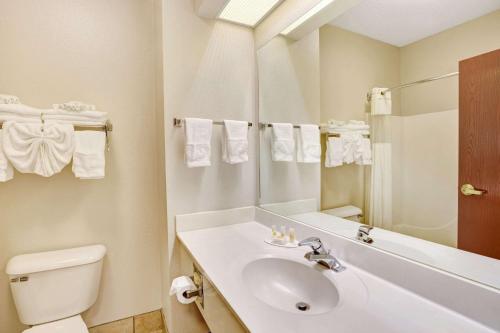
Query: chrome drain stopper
x=301 y=306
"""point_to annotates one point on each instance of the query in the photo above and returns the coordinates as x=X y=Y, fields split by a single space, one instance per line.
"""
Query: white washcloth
x=89 y=158
x=334 y=152
x=235 y=142
x=35 y=148
x=282 y=143
x=381 y=104
x=198 y=134
x=9 y=99
x=74 y=106
x=308 y=144
x=6 y=170
x=364 y=154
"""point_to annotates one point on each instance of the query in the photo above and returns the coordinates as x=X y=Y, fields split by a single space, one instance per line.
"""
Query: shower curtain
x=380 y=198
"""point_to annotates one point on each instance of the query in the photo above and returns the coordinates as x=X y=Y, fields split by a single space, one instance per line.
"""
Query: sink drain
x=301 y=306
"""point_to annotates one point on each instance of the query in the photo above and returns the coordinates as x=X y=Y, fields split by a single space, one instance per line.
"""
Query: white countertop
x=377 y=305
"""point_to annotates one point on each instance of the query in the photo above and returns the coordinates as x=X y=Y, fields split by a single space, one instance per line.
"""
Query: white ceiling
x=401 y=22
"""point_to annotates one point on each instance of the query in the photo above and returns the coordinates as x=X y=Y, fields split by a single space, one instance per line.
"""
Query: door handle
x=468 y=189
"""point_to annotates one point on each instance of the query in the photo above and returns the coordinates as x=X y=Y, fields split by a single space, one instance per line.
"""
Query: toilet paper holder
x=197 y=278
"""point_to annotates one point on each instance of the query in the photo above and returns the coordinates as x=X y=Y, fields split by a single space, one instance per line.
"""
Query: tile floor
x=151 y=322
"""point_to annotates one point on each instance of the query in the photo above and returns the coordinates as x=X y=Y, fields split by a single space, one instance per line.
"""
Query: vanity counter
x=365 y=301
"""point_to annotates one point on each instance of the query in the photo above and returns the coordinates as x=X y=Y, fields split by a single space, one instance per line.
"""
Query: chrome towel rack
x=178 y=122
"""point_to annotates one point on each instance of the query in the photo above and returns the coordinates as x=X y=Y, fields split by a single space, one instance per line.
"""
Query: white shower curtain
x=380 y=200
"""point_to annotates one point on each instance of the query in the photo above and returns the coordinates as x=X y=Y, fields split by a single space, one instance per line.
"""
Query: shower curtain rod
x=369 y=95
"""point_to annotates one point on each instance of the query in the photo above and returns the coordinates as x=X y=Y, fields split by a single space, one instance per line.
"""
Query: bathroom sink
x=291 y=286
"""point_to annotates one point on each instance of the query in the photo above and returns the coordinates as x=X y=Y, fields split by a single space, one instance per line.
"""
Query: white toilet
x=51 y=289
x=350 y=212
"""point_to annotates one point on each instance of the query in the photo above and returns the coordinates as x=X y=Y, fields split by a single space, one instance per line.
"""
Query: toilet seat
x=69 y=325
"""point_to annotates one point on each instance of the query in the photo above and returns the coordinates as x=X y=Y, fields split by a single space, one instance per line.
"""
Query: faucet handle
x=314 y=242
x=365 y=229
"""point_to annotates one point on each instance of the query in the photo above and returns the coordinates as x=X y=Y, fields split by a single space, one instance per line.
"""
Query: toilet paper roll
x=179 y=286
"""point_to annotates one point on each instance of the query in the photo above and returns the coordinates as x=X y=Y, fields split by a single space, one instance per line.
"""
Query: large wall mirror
x=405 y=97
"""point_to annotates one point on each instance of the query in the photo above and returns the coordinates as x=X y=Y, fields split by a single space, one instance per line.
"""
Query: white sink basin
x=286 y=285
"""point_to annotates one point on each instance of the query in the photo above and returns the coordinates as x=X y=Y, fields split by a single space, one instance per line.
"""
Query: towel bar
x=180 y=122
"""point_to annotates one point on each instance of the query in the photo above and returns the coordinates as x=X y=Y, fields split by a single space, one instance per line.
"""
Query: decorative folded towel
x=20 y=112
x=308 y=144
x=9 y=99
x=381 y=104
x=335 y=126
x=74 y=106
x=364 y=153
x=36 y=148
x=198 y=134
x=6 y=170
x=89 y=158
x=282 y=143
x=334 y=152
x=235 y=142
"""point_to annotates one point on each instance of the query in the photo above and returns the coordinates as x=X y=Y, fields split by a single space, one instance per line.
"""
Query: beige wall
x=100 y=52
x=351 y=65
x=288 y=92
x=440 y=54
x=209 y=73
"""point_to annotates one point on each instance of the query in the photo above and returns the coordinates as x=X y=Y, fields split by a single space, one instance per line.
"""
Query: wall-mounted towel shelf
x=108 y=127
x=180 y=122
x=323 y=128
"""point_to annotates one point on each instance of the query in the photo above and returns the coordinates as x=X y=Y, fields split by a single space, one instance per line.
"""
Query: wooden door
x=479 y=154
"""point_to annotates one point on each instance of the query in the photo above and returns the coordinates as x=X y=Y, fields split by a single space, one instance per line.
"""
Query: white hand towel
x=89 y=158
x=282 y=143
x=9 y=99
x=381 y=104
x=334 y=152
x=308 y=144
x=364 y=156
x=198 y=134
x=235 y=142
x=6 y=170
x=35 y=148
x=351 y=142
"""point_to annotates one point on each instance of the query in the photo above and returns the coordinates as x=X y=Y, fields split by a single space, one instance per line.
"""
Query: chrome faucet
x=321 y=255
x=364 y=234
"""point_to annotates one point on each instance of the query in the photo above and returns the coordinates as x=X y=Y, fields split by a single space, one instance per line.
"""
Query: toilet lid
x=69 y=325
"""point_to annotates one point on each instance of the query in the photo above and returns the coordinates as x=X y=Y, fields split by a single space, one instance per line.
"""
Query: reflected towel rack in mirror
x=264 y=125
x=178 y=122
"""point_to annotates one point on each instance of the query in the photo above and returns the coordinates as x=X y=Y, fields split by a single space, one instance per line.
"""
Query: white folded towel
x=9 y=99
x=308 y=144
x=364 y=154
x=74 y=106
x=6 y=170
x=235 y=142
x=35 y=148
x=282 y=143
x=89 y=158
x=198 y=134
x=334 y=152
x=381 y=104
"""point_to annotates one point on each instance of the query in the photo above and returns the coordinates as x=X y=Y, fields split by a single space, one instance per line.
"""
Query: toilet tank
x=49 y=286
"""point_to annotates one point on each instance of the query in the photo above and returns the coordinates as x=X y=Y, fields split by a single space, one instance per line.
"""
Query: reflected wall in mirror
x=407 y=97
